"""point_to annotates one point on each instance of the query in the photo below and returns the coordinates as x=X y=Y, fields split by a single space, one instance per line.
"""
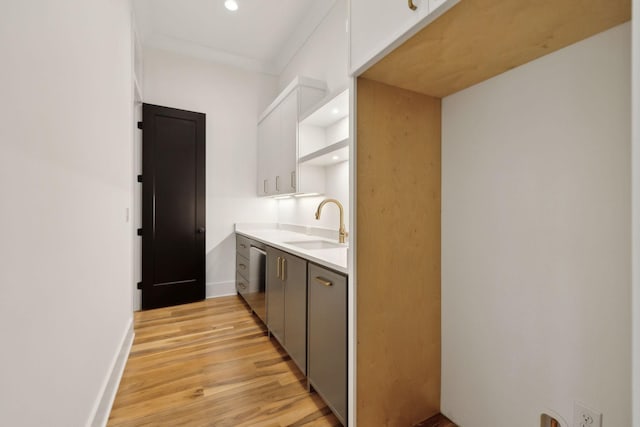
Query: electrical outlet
x=585 y=417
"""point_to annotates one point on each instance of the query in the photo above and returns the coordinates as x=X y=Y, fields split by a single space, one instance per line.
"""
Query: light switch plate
x=585 y=417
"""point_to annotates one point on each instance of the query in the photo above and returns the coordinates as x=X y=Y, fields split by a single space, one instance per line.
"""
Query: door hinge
x=139 y=231
x=139 y=285
x=139 y=125
x=139 y=178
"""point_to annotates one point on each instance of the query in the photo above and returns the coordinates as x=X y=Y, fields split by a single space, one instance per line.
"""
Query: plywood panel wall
x=398 y=293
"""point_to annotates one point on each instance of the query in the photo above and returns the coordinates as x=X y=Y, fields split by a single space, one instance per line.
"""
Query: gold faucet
x=342 y=233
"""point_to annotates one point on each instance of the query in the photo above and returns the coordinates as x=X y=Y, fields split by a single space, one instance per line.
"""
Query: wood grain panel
x=211 y=364
x=479 y=39
x=398 y=292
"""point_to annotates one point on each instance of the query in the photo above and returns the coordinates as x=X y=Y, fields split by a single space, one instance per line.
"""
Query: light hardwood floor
x=211 y=364
x=437 y=421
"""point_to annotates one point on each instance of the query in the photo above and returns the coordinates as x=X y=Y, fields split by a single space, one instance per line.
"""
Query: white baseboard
x=220 y=289
x=102 y=407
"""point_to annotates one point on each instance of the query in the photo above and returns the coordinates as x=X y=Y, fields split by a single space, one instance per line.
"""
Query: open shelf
x=324 y=132
x=329 y=110
x=329 y=155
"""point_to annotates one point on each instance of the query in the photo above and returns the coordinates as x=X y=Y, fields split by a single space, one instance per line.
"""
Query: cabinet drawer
x=242 y=286
x=242 y=266
x=243 y=246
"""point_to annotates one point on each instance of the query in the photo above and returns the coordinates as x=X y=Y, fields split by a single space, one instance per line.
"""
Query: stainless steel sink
x=316 y=244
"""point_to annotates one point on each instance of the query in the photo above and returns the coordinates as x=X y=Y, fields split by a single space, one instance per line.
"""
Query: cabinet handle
x=278 y=267
x=323 y=282
x=264 y=186
x=242 y=285
x=277 y=183
x=242 y=266
x=293 y=179
x=243 y=246
x=284 y=269
x=411 y=5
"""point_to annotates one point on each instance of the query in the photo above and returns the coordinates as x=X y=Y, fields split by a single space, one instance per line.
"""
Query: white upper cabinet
x=287 y=161
x=378 y=26
x=374 y=23
x=268 y=135
x=434 y=4
x=278 y=171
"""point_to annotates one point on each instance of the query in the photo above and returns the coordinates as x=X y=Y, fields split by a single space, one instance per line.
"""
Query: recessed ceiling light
x=335 y=157
x=232 y=5
x=335 y=111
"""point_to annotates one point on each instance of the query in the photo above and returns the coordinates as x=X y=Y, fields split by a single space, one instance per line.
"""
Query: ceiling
x=262 y=35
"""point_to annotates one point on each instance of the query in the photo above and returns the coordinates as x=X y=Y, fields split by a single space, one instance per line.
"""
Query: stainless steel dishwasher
x=251 y=274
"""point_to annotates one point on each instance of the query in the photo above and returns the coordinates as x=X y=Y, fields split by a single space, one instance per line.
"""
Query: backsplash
x=323 y=232
x=301 y=210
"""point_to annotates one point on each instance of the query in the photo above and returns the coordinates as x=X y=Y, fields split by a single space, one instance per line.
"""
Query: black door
x=173 y=206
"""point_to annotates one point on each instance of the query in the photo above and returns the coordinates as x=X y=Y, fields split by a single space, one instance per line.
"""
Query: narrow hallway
x=211 y=364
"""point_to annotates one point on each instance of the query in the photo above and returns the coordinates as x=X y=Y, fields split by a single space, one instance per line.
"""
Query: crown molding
x=293 y=43
x=183 y=47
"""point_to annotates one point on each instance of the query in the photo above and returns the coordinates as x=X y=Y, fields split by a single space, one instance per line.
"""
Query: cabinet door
x=288 y=149
x=278 y=144
x=275 y=294
x=327 y=334
x=262 y=159
x=268 y=136
x=375 y=24
x=295 y=310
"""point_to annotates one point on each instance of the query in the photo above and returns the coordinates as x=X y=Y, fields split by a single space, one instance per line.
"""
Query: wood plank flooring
x=437 y=421
x=211 y=364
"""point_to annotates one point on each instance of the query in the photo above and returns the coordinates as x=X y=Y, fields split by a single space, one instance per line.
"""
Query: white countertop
x=276 y=235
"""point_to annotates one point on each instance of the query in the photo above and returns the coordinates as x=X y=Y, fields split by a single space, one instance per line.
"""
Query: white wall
x=65 y=183
x=324 y=54
x=323 y=57
x=536 y=240
x=232 y=100
x=301 y=211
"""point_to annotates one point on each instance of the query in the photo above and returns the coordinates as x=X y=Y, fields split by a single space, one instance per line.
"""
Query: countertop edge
x=299 y=253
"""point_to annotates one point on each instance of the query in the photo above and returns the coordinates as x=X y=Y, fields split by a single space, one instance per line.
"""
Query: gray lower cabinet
x=275 y=294
x=327 y=335
x=287 y=303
